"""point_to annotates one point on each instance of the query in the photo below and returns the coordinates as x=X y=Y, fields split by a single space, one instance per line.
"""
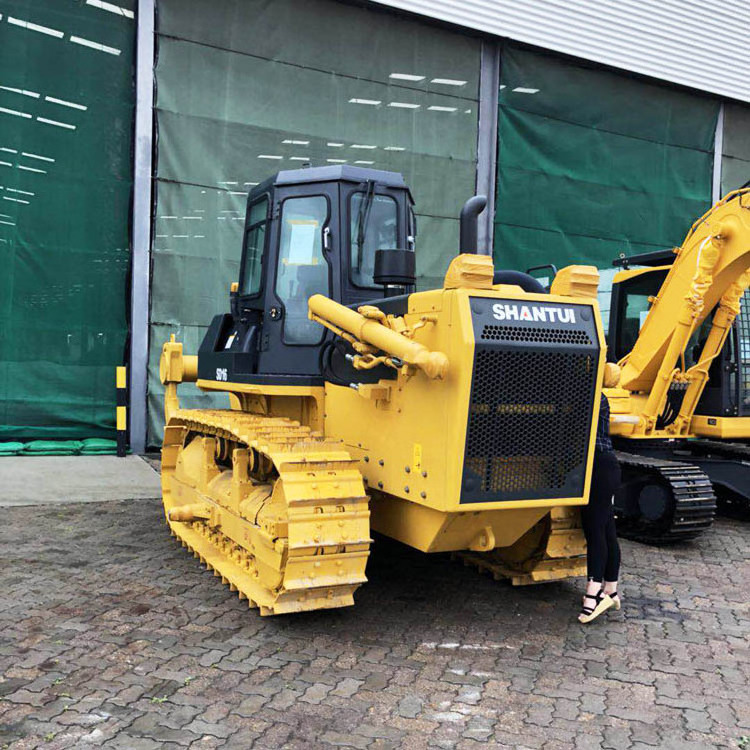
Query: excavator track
x=726 y=449
x=552 y=550
x=728 y=465
x=277 y=512
x=662 y=501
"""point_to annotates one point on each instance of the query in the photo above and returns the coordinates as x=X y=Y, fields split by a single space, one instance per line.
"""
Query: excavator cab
x=632 y=291
x=345 y=232
x=727 y=392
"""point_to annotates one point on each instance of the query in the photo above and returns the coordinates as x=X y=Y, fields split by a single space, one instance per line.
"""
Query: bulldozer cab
x=344 y=232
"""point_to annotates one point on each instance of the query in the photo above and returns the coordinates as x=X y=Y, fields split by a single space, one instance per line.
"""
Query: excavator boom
x=662 y=498
x=711 y=270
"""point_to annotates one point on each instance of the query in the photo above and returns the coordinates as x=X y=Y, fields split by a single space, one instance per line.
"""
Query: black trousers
x=598 y=519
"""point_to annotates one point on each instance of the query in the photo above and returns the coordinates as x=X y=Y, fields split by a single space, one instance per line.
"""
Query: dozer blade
x=552 y=550
x=285 y=522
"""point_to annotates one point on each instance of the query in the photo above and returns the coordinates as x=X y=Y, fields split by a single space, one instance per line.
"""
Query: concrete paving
x=111 y=635
x=52 y=480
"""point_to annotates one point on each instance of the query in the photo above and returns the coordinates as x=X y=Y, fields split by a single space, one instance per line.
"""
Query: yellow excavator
x=682 y=405
x=459 y=419
x=721 y=446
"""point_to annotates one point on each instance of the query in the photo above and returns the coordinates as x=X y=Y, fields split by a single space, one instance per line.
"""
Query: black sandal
x=602 y=603
x=615 y=597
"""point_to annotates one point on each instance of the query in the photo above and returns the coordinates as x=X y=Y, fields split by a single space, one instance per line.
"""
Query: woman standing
x=598 y=520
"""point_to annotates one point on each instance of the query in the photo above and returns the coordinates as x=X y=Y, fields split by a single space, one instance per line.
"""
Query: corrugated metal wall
x=704 y=45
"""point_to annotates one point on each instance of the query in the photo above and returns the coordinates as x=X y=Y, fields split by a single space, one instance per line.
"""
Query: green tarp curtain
x=66 y=119
x=735 y=163
x=593 y=163
x=249 y=87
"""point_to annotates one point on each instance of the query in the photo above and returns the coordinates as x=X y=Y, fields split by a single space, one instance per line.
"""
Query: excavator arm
x=711 y=271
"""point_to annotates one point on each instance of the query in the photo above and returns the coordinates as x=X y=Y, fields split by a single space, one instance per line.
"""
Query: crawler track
x=725 y=449
x=284 y=518
x=728 y=466
x=663 y=501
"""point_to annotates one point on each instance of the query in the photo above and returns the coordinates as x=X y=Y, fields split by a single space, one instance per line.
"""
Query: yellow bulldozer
x=460 y=419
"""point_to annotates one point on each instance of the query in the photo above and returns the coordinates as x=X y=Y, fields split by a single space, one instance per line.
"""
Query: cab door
x=303 y=250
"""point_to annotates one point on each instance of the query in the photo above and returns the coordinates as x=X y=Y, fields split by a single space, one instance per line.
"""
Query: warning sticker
x=417 y=461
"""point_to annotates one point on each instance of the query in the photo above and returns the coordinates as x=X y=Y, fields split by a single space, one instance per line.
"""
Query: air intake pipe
x=527 y=282
x=469 y=238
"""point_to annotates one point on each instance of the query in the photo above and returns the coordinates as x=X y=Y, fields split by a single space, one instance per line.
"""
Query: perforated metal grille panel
x=743 y=326
x=548 y=335
x=530 y=419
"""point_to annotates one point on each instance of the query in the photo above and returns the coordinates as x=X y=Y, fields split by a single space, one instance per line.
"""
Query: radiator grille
x=743 y=326
x=536 y=335
x=529 y=422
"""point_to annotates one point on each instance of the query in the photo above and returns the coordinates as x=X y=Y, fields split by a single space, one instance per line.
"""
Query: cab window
x=636 y=311
x=255 y=239
x=635 y=307
x=302 y=269
x=373 y=226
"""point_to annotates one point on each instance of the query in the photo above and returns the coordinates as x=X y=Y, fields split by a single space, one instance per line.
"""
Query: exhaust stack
x=468 y=237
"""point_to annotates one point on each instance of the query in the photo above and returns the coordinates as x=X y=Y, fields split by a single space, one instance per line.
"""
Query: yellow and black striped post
x=122 y=411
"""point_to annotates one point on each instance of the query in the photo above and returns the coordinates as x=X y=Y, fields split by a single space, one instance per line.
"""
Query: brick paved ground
x=110 y=634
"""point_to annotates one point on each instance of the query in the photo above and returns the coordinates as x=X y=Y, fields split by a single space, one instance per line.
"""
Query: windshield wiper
x=363 y=217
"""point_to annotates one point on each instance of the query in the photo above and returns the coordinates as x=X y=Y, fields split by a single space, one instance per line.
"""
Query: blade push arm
x=175 y=368
x=369 y=331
